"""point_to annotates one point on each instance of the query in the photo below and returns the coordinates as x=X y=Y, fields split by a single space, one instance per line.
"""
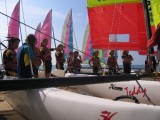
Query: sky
x=35 y=11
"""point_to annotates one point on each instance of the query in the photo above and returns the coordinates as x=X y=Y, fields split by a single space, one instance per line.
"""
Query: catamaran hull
x=57 y=104
x=130 y=88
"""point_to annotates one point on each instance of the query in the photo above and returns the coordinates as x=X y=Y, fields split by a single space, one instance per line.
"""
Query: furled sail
x=37 y=35
x=125 y=18
x=67 y=34
x=13 y=28
x=46 y=29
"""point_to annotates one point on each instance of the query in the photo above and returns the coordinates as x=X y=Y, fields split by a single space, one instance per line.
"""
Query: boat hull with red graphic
x=129 y=88
x=57 y=104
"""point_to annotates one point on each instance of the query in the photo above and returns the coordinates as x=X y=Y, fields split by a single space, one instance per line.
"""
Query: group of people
x=111 y=62
x=23 y=62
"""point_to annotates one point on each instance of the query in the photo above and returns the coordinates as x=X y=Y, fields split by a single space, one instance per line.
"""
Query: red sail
x=121 y=18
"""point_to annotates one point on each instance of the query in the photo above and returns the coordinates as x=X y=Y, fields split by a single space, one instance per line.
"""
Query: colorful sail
x=67 y=34
x=87 y=46
x=88 y=50
x=37 y=35
x=46 y=29
x=13 y=28
x=124 y=17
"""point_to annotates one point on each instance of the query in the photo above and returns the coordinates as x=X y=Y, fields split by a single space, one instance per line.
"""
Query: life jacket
x=96 y=61
x=45 y=53
x=127 y=57
x=59 y=57
x=76 y=63
x=112 y=61
x=70 y=62
x=9 y=56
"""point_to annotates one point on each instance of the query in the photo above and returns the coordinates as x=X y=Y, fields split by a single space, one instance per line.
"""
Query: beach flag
x=46 y=29
x=37 y=35
x=13 y=28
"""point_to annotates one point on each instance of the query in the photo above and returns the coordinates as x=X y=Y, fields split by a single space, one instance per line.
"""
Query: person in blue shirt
x=26 y=60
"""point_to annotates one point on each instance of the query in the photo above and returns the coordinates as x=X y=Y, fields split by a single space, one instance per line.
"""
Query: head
x=111 y=52
x=60 y=47
x=125 y=52
x=96 y=52
x=44 y=42
x=31 y=40
x=76 y=53
x=13 y=43
x=70 y=54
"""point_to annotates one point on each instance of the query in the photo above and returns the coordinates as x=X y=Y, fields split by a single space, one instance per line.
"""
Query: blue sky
x=35 y=11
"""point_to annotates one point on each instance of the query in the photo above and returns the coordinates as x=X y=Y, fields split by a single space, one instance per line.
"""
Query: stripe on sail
x=87 y=46
x=67 y=34
x=13 y=28
x=37 y=35
x=124 y=18
x=46 y=29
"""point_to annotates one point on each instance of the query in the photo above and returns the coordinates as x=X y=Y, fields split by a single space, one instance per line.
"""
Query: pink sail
x=46 y=29
x=13 y=28
x=37 y=35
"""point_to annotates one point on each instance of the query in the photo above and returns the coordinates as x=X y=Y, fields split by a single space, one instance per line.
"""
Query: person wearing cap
x=112 y=63
x=26 y=60
x=46 y=57
x=9 y=57
x=59 y=54
x=95 y=60
x=127 y=61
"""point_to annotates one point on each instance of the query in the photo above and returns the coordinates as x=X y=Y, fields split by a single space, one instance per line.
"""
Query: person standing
x=77 y=62
x=70 y=63
x=95 y=62
x=26 y=60
x=46 y=58
x=112 y=63
x=127 y=61
x=60 y=60
x=9 y=57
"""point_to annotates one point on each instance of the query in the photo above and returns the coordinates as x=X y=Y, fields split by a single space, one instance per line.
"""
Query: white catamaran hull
x=56 y=104
x=116 y=89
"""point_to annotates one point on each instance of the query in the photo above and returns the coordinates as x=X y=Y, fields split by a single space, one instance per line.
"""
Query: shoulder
x=8 y=52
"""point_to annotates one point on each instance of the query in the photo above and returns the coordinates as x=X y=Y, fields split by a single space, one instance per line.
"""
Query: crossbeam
x=22 y=84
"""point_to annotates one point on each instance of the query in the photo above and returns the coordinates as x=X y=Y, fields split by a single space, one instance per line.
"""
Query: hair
x=60 y=45
x=43 y=41
x=111 y=52
x=31 y=39
x=70 y=53
x=12 y=40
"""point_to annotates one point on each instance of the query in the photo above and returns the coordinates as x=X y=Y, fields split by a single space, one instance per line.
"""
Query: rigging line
x=149 y=100
x=23 y=17
x=6 y=12
x=40 y=32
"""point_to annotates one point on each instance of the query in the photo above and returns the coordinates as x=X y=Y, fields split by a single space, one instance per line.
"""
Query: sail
x=88 y=50
x=46 y=29
x=155 y=10
x=87 y=46
x=37 y=35
x=13 y=28
x=120 y=17
x=67 y=34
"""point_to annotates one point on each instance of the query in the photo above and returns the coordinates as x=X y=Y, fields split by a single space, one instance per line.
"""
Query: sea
x=86 y=66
